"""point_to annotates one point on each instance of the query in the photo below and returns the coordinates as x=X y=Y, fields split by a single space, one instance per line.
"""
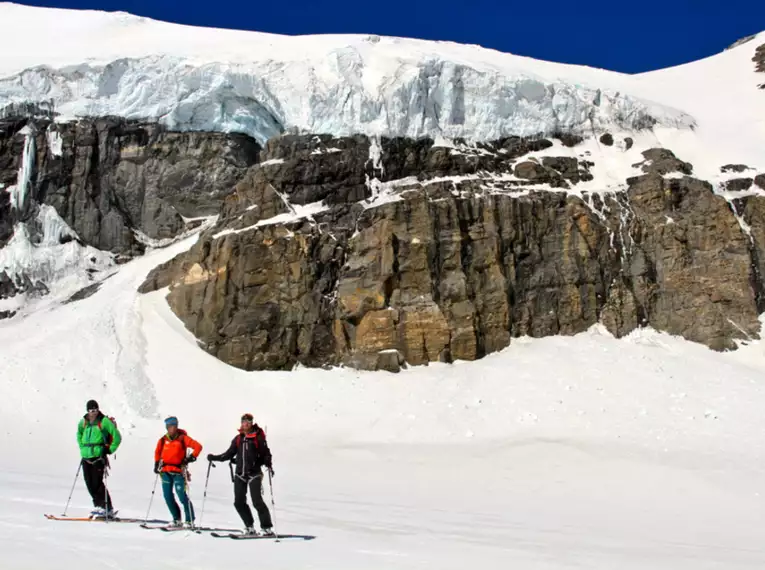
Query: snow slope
x=557 y=453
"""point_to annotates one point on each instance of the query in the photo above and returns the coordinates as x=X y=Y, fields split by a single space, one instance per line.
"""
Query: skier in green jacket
x=98 y=437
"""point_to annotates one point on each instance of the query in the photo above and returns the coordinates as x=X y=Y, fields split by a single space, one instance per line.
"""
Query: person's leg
x=100 y=495
x=256 y=494
x=87 y=475
x=240 y=502
x=167 y=491
x=180 y=489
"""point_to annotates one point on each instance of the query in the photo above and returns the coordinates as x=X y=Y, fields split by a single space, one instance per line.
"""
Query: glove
x=156 y=467
x=271 y=472
x=211 y=457
x=191 y=459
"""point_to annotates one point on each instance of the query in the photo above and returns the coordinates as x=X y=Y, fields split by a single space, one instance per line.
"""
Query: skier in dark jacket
x=98 y=438
x=249 y=451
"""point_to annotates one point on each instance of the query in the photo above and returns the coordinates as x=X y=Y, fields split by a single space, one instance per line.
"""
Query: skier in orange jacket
x=170 y=461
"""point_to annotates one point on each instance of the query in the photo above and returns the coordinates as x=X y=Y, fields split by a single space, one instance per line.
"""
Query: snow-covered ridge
x=260 y=84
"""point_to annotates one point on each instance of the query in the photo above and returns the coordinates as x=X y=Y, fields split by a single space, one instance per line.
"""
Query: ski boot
x=267 y=532
x=250 y=531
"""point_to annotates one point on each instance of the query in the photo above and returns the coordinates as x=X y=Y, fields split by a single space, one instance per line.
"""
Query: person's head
x=92 y=409
x=247 y=423
x=171 y=424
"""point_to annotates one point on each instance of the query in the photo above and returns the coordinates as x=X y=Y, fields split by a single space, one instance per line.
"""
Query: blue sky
x=624 y=36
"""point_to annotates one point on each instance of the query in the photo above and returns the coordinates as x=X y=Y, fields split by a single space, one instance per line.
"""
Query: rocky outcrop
x=109 y=178
x=10 y=287
x=663 y=161
x=734 y=168
x=759 y=180
x=759 y=58
x=393 y=251
x=607 y=139
x=738 y=184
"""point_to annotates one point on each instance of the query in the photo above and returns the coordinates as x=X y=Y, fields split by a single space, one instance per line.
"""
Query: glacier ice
x=341 y=94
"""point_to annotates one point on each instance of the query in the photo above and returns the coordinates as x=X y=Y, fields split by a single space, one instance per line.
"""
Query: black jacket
x=249 y=451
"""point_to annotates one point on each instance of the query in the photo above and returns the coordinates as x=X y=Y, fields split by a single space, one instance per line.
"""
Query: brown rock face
x=110 y=177
x=752 y=210
x=663 y=161
x=424 y=270
x=759 y=180
x=692 y=274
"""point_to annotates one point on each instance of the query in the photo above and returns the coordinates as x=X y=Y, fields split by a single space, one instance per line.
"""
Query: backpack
x=180 y=438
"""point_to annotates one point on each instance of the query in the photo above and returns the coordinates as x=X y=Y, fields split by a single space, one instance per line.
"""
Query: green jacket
x=91 y=439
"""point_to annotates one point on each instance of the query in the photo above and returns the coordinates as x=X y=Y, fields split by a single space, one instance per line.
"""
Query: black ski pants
x=240 y=501
x=93 y=473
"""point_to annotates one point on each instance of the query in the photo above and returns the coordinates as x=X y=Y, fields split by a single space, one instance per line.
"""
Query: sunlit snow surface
x=557 y=453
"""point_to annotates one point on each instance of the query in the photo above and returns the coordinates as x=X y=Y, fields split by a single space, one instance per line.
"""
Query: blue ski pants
x=176 y=481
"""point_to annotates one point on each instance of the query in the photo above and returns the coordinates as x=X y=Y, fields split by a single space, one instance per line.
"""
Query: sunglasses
x=93 y=410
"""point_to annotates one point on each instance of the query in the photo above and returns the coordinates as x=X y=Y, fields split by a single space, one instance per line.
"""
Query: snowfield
x=557 y=453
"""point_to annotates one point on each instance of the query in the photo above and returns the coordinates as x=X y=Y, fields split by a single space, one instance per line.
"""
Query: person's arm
x=112 y=430
x=196 y=447
x=80 y=431
x=227 y=455
x=158 y=450
x=158 y=453
x=265 y=451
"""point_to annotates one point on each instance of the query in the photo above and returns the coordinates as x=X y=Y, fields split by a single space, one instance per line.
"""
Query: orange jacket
x=172 y=452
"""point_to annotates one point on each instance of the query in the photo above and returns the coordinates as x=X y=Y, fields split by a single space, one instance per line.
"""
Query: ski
x=242 y=536
x=198 y=530
x=165 y=527
x=102 y=520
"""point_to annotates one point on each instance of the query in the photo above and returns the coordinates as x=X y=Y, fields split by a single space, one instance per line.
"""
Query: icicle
x=19 y=191
x=375 y=157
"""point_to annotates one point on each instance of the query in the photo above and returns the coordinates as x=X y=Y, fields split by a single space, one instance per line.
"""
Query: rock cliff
x=375 y=253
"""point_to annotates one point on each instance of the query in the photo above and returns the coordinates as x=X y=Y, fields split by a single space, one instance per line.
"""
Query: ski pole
x=77 y=476
x=107 y=498
x=204 y=496
x=146 y=520
x=273 y=504
x=107 y=508
x=186 y=476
